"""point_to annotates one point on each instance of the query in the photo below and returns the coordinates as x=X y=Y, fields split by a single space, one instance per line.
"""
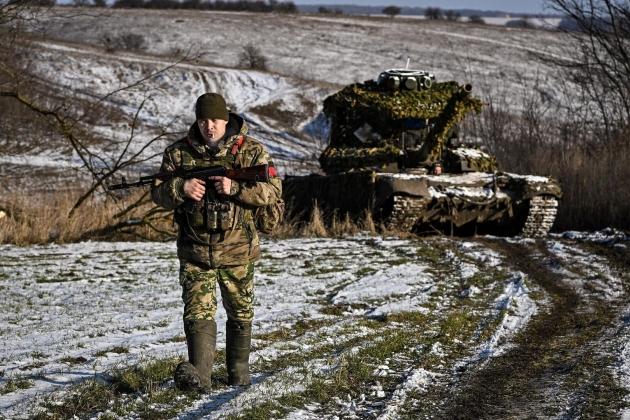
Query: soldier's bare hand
x=221 y=184
x=194 y=188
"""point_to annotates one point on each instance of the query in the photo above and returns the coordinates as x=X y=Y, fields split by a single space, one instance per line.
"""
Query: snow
x=606 y=236
x=395 y=281
x=47 y=159
x=589 y=274
x=418 y=380
x=485 y=256
x=466 y=152
x=80 y=300
x=338 y=50
x=167 y=93
x=472 y=193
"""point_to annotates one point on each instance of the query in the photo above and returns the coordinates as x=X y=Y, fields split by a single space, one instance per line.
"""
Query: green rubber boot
x=201 y=338
x=238 y=341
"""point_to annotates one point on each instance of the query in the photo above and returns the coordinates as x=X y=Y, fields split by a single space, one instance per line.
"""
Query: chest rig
x=215 y=213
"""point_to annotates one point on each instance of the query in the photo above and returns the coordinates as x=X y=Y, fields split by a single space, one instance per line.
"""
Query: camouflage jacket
x=236 y=242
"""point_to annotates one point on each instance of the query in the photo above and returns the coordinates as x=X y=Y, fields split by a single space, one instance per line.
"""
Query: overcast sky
x=512 y=6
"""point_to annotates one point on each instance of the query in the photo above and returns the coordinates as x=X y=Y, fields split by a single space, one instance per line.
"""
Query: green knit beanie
x=211 y=106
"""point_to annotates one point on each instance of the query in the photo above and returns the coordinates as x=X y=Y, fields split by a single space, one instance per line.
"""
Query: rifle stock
x=258 y=173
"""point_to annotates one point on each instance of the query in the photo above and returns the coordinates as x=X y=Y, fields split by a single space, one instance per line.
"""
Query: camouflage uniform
x=225 y=254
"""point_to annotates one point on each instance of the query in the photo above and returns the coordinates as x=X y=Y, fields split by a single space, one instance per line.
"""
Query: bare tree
x=252 y=58
x=602 y=70
x=70 y=117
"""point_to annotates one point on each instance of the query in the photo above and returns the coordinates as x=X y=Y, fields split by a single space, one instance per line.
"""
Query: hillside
x=309 y=57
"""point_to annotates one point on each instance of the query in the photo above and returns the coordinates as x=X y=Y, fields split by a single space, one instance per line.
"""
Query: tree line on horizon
x=231 y=5
x=267 y=6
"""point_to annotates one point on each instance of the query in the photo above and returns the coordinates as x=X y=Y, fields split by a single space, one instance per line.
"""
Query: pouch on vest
x=266 y=218
x=216 y=216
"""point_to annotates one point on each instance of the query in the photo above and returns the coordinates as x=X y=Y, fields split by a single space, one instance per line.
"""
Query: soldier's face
x=212 y=130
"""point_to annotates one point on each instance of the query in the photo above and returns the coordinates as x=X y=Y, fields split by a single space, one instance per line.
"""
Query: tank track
x=540 y=216
x=405 y=212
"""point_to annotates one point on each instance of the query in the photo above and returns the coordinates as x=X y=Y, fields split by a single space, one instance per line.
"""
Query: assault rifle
x=258 y=173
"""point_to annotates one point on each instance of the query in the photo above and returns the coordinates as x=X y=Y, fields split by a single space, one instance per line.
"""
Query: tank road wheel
x=540 y=216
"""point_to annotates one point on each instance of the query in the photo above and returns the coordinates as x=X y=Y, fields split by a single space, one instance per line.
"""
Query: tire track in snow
x=535 y=376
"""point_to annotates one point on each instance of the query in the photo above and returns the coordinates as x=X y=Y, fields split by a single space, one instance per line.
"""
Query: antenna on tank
x=407 y=66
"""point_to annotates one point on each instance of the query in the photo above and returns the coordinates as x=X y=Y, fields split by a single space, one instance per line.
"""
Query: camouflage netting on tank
x=338 y=160
x=368 y=122
x=362 y=103
x=457 y=107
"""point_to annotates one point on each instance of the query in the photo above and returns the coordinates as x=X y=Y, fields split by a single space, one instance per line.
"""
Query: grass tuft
x=14 y=384
x=146 y=377
x=116 y=349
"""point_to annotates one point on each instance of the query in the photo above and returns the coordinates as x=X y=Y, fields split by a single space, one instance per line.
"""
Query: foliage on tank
x=458 y=106
x=341 y=159
x=374 y=125
x=382 y=108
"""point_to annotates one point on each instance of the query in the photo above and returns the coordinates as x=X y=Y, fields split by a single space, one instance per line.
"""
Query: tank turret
x=402 y=120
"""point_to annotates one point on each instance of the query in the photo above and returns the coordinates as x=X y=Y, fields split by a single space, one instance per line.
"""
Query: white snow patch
x=409 y=280
x=605 y=236
x=588 y=271
x=52 y=160
x=74 y=300
x=622 y=369
x=485 y=256
x=467 y=152
x=518 y=308
x=418 y=381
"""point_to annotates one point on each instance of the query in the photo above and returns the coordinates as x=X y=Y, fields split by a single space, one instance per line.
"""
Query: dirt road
x=560 y=363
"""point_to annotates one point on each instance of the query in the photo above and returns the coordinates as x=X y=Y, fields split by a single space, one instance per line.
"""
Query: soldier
x=217 y=240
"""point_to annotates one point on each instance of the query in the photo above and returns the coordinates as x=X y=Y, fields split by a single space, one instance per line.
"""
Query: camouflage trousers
x=199 y=286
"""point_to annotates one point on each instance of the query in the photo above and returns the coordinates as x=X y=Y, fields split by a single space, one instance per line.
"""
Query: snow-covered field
x=74 y=314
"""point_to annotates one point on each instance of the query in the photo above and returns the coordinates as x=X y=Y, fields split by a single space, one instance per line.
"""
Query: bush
x=252 y=58
x=391 y=11
x=132 y=42
x=476 y=19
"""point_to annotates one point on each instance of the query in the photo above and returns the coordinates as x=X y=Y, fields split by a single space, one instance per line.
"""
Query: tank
x=394 y=151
